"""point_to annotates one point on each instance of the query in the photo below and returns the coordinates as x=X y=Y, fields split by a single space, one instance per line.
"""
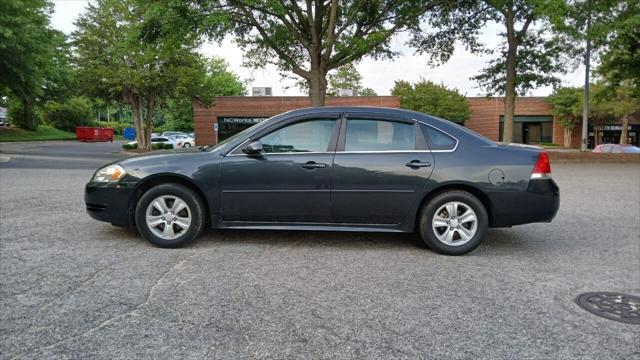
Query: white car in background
x=161 y=140
x=183 y=141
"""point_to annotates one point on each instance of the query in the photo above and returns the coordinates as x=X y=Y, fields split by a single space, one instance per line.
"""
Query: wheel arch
x=473 y=190
x=164 y=178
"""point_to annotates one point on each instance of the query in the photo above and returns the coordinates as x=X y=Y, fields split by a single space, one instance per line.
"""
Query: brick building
x=533 y=123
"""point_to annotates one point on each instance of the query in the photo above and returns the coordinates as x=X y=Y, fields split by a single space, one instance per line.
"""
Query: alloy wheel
x=455 y=223
x=168 y=217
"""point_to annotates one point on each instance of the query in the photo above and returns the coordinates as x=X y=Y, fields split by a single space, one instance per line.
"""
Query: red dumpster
x=91 y=134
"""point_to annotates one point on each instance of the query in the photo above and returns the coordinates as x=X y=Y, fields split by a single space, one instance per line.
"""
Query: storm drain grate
x=612 y=306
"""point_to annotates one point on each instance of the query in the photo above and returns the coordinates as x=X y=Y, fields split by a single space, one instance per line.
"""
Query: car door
x=289 y=181
x=380 y=168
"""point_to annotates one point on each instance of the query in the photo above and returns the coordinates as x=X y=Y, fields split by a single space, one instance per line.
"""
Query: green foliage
x=23 y=113
x=309 y=39
x=538 y=62
x=433 y=99
x=615 y=101
x=67 y=115
x=367 y=92
x=620 y=60
x=177 y=112
x=123 y=58
x=34 y=66
x=347 y=77
x=567 y=105
x=42 y=133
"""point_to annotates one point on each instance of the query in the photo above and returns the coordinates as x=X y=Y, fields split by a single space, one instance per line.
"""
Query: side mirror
x=253 y=148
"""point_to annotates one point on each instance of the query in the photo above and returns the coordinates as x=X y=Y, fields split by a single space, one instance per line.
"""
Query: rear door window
x=379 y=135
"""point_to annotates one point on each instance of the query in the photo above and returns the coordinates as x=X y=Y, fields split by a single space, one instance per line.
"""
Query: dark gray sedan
x=333 y=168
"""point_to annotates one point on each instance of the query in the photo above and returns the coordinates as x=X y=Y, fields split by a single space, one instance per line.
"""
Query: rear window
x=379 y=135
x=436 y=139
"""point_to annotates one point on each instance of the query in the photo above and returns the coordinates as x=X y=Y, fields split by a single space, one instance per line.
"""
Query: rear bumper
x=538 y=203
x=109 y=202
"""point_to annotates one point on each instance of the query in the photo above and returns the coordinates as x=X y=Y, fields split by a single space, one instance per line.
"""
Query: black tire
x=429 y=211
x=186 y=145
x=195 y=208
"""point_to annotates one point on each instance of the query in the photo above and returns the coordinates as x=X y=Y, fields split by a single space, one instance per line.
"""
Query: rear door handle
x=313 y=165
x=415 y=164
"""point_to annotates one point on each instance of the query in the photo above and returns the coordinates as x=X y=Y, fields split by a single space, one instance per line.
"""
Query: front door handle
x=415 y=164
x=313 y=165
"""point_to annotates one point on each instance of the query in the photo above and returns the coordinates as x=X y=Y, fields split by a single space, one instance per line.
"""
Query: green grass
x=43 y=133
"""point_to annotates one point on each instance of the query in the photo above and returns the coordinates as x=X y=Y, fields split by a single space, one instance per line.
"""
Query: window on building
x=306 y=136
x=379 y=135
x=436 y=139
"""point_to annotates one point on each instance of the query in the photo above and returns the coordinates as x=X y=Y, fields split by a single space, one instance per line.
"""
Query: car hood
x=169 y=158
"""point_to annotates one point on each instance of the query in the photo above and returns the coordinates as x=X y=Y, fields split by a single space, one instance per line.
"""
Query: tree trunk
x=568 y=132
x=510 y=84
x=136 y=109
x=149 y=122
x=317 y=86
x=624 y=134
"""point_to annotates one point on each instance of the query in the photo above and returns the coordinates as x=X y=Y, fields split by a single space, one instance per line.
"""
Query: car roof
x=442 y=124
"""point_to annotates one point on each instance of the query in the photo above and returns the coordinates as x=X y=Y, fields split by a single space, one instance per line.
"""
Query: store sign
x=240 y=120
x=611 y=127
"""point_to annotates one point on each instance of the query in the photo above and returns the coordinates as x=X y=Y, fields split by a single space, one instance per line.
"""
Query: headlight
x=111 y=173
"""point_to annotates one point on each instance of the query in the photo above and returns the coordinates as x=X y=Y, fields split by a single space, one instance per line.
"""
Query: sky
x=376 y=74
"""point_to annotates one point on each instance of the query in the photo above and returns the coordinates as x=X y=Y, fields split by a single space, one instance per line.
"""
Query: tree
x=619 y=102
x=620 y=60
x=591 y=27
x=75 y=111
x=431 y=98
x=120 y=60
x=30 y=57
x=567 y=107
x=347 y=77
x=308 y=38
x=220 y=81
x=521 y=61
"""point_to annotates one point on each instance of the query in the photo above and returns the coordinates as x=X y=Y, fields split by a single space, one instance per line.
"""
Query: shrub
x=118 y=128
x=66 y=116
x=158 y=146
x=23 y=114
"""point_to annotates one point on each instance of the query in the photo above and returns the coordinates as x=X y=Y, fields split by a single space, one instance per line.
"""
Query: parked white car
x=161 y=140
x=183 y=141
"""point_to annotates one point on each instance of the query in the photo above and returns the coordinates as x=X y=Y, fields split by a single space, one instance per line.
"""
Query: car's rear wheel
x=170 y=215
x=187 y=145
x=453 y=222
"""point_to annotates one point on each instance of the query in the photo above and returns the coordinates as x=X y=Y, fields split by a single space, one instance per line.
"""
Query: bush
x=158 y=146
x=118 y=128
x=23 y=114
x=66 y=116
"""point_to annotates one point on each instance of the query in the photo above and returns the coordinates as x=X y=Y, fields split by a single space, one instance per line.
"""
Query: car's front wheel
x=453 y=222
x=187 y=145
x=170 y=215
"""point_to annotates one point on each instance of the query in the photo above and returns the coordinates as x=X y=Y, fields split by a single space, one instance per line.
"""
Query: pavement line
x=4 y=159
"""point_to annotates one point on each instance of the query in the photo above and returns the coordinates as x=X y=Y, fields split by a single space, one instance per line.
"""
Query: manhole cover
x=612 y=306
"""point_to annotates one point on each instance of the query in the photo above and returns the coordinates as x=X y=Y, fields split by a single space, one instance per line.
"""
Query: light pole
x=587 y=63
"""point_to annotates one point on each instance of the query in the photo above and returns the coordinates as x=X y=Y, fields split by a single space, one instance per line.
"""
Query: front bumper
x=538 y=203
x=110 y=202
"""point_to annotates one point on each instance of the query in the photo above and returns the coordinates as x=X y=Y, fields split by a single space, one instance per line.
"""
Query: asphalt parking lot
x=72 y=287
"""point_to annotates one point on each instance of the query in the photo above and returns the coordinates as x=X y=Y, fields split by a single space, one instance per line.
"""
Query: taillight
x=542 y=167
